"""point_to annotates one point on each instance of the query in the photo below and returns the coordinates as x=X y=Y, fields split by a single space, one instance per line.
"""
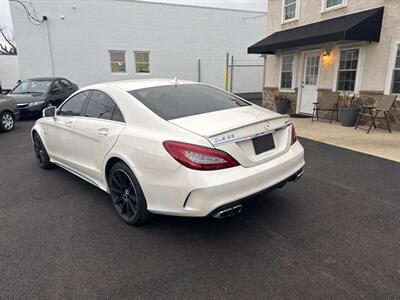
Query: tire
x=41 y=154
x=127 y=195
x=7 y=121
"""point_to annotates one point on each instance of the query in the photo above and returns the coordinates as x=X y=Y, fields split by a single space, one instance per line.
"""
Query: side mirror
x=49 y=112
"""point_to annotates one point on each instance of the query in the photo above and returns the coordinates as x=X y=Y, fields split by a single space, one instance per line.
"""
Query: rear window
x=183 y=100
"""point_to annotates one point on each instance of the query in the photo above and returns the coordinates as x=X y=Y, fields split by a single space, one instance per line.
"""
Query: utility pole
x=231 y=87
x=226 y=71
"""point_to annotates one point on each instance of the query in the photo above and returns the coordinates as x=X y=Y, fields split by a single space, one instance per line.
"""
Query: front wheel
x=7 y=121
x=127 y=195
x=41 y=154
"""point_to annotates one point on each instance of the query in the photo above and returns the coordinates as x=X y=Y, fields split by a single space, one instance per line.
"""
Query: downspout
x=264 y=101
x=48 y=45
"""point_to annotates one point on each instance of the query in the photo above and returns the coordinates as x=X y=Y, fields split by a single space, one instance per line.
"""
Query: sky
x=257 y=5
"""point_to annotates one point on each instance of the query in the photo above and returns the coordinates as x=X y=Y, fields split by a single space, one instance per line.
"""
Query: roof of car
x=45 y=78
x=136 y=84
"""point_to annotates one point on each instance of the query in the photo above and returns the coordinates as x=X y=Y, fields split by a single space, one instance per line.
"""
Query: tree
x=8 y=47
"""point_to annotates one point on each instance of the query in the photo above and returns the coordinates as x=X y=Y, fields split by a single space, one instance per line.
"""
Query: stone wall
x=270 y=93
x=371 y=98
x=368 y=97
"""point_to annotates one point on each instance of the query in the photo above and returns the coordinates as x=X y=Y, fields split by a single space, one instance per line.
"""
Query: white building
x=96 y=41
x=329 y=46
x=9 y=71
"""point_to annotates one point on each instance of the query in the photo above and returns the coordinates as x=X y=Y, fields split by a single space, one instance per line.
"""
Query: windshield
x=31 y=86
x=183 y=100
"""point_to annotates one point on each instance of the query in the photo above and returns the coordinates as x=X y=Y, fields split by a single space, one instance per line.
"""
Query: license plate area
x=263 y=143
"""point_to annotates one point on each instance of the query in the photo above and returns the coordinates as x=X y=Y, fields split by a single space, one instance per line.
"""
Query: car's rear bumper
x=295 y=177
x=187 y=192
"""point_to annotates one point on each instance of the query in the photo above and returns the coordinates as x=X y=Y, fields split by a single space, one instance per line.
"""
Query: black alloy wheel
x=40 y=153
x=127 y=196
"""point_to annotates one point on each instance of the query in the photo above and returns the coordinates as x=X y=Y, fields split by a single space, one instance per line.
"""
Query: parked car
x=169 y=147
x=32 y=95
x=9 y=113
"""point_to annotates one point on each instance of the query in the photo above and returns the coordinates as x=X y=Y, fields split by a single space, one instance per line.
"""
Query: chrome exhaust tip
x=298 y=176
x=229 y=212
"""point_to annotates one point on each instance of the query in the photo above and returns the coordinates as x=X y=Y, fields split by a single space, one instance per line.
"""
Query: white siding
x=176 y=36
x=9 y=71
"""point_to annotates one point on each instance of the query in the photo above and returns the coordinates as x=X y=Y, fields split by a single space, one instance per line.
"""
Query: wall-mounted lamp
x=327 y=57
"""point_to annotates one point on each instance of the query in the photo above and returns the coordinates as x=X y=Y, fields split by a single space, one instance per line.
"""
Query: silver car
x=9 y=113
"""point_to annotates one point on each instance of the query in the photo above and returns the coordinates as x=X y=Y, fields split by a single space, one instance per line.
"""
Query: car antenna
x=176 y=81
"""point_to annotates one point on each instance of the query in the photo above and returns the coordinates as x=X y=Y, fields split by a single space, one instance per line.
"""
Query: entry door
x=310 y=82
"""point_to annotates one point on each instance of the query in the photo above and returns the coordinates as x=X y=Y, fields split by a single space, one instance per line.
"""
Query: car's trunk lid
x=235 y=130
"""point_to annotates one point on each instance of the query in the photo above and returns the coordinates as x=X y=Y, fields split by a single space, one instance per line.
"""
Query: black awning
x=362 y=26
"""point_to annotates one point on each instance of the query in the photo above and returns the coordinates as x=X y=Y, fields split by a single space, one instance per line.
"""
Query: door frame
x=300 y=75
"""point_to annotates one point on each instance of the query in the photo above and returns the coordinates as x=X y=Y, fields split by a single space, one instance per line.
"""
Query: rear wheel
x=127 y=195
x=7 y=121
x=41 y=154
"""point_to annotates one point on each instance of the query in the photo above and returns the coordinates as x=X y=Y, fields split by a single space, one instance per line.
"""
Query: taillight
x=199 y=157
x=294 y=136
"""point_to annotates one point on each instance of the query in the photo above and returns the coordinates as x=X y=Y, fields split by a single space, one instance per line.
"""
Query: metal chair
x=379 y=111
x=327 y=102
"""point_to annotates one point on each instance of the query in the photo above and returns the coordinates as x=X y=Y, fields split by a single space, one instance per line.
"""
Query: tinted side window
x=56 y=85
x=117 y=115
x=100 y=106
x=183 y=100
x=73 y=106
x=64 y=83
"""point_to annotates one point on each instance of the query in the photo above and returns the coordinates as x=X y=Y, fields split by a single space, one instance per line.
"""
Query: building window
x=142 y=60
x=396 y=73
x=117 y=60
x=290 y=10
x=332 y=4
x=347 y=73
x=287 y=71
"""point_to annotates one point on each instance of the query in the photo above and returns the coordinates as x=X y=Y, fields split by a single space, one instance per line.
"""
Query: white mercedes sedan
x=169 y=147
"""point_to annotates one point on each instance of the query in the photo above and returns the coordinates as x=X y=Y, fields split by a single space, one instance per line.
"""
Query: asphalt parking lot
x=334 y=234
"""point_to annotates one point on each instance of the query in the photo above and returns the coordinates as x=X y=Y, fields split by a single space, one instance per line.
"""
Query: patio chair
x=379 y=111
x=327 y=102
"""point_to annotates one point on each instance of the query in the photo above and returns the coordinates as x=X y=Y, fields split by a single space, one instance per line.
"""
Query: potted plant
x=282 y=103
x=349 y=108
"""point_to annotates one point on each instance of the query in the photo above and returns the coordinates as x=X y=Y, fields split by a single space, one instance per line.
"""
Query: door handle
x=102 y=131
x=68 y=124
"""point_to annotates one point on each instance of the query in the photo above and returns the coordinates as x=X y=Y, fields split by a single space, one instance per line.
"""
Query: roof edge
x=256 y=48
x=195 y=6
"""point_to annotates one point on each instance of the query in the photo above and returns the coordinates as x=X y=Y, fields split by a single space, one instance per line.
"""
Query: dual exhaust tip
x=298 y=176
x=229 y=212
x=237 y=209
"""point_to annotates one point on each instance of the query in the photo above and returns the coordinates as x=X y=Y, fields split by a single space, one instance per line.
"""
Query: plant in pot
x=282 y=103
x=350 y=107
